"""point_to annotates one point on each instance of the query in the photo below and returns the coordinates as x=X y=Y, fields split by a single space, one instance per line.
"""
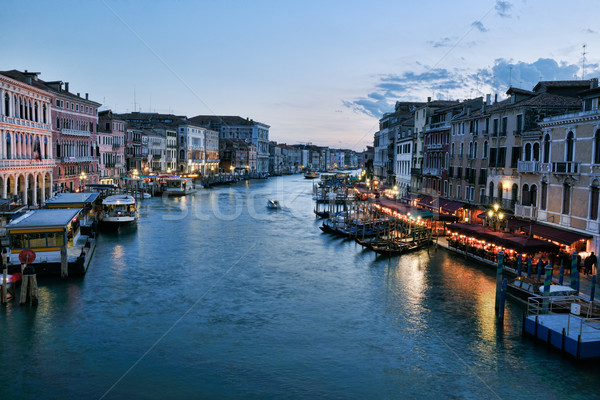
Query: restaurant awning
x=451 y=206
x=425 y=201
x=555 y=234
x=517 y=242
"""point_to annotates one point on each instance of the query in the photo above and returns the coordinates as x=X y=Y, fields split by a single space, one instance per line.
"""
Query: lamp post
x=82 y=178
x=495 y=215
x=395 y=192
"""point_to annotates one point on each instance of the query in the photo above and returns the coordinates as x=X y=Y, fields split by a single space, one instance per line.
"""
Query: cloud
x=503 y=8
x=446 y=84
x=479 y=26
x=443 y=42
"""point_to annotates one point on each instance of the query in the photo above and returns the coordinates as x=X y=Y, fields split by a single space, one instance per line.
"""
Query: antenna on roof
x=510 y=77
x=583 y=64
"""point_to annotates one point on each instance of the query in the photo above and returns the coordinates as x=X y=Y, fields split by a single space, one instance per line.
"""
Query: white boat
x=118 y=209
x=273 y=205
x=179 y=186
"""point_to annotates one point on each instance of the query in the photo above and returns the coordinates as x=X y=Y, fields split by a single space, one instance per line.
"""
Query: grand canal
x=215 y=296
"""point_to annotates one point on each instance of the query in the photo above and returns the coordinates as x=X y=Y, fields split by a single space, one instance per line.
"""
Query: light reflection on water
x=264 y=305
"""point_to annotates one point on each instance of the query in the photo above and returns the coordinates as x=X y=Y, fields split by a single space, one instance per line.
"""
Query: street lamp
x=395 y=192
x=82 y=178
x=495 y=215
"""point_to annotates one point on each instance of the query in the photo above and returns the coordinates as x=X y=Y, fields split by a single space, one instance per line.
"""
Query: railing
x=44 y=162
x=109 y=165
x=485 y=132
x=432 y=171
x=525 y=211
x=565 y=167
x=78 y=159
x=116 y=145
x=438 y=125
x=24 y=122
x=416 y=171
x=506 y=204
x=74 y=132
x=435 y=146
x=517 y=132
x=503 y=132
x=531 y=167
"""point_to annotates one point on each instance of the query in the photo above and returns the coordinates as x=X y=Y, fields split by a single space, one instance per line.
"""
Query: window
x=495 y=132
x=493 y=154
x=504 y=125
x=547 y=148
x=536 y=152
x=528 y=152
x=501 y=161
x=519 y=123
x=566 y=208
x=485 y=149
x=458 y=191
x=515 y=157
x=570 y=147
x=597 y=147
x=594 y=201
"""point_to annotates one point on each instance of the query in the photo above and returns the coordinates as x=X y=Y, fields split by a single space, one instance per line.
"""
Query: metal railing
x=24 y=122
x=44 y=162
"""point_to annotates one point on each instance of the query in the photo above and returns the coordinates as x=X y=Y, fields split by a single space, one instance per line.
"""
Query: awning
x=515 y=223
x=451 y=206
x=425 y=201
x=555 y=234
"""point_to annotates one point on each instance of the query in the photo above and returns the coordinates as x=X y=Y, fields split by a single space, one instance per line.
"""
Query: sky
x=315 y=71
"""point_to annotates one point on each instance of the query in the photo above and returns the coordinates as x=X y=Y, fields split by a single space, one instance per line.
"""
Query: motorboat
x=118 y=209
x=179 y=186
x=273 y=205
x=311 y=175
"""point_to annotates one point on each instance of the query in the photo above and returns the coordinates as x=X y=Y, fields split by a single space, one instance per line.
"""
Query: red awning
x=556 y=234
x=451 y=206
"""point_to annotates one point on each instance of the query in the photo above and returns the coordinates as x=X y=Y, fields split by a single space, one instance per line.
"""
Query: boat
x=311 y=175
x=179 y=186
x=118 y=210
x=273 y=205
x=398 y=248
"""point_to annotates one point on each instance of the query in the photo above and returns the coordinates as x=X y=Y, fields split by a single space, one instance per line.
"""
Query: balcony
x=503 y=132
x=434 y=146
x=24 y=122
x=437 y=125
x=565 y=167
x=528 y=167
x=506 y=204
x=529 y=212
x=116 y=145
x=432 y=171
x=416 y=171
x=44 y=162
x=77 y=159
x=485 y=132
x=75 y=132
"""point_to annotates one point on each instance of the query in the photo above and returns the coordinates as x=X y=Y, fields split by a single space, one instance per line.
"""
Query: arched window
x=597 y=147
x=533 y=196
x=462 y=149
x=514 y=194
x=46 y=147
x=547 y=149
x=6 y=105
x=570 y=147
x=447 y=160
x=491 y=191
x=475 y=150
x=8 y=149
x=452 y=150
x=525 y=195
x=536 y=152
x=485 y=149
x=44 y=116
x=594 y=200
x=528 y=152
x=499 y=191
x=471 y=150
x=544 y=197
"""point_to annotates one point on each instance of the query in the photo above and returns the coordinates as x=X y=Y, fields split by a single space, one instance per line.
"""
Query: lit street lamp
x=495 y=215
x=82 y=178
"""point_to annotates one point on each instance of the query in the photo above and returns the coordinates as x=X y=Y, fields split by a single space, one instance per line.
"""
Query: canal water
x=216 y=296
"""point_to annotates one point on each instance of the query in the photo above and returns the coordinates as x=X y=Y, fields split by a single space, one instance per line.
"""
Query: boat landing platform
x=569 y=333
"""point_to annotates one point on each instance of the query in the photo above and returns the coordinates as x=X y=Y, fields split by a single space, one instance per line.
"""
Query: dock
x=571 y=334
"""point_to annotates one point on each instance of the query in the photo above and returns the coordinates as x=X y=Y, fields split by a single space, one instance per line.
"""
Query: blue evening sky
x=315 y=71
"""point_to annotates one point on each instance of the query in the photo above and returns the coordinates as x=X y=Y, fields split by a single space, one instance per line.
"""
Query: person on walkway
x=587 y=265
x=593 y=262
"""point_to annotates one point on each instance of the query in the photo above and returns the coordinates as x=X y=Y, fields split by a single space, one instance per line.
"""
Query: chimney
x=593 y=83
x=78 y=95
x=66 y=86
x=86 y=96
x=468 y=111
x=495 y=97
x=428 y=99
x=488 y=99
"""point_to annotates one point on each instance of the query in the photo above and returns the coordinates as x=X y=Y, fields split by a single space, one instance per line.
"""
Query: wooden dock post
x=529 y=265
x=574 y=270
x=502 y=299
x=29 y=289
x=64 y=262
x=4 y=276
x=499 y=269
x=561 y=275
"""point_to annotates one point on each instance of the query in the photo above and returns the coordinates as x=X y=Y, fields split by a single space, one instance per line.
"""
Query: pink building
x=26 y=159
x=74 y=120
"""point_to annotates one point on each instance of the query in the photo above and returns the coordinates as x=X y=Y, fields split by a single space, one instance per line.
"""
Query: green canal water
x=216 y=296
